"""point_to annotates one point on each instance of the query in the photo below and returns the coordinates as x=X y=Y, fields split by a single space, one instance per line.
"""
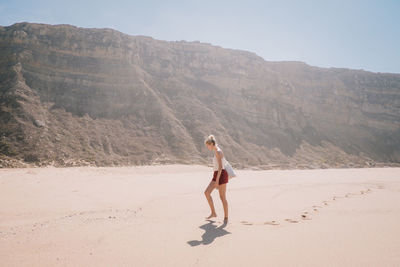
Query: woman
x=220 y=178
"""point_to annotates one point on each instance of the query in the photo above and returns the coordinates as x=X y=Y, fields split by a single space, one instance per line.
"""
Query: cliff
x=76 y=96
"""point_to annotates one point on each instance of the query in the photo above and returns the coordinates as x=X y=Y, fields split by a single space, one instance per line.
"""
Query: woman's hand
x=216 y=184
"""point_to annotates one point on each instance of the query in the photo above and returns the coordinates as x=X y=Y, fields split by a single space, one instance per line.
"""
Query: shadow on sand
x=211 y=232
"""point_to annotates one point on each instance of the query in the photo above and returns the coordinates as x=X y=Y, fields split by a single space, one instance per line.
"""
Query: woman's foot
x=212 y=215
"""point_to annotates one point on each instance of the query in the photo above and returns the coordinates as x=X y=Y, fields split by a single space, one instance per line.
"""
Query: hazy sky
x=328 y=33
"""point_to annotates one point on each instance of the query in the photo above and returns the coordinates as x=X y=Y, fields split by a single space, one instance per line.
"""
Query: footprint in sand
x=291 y=221
x=271 y=223
x=366 y=191
x=304 y=216
x=246 y=223
x=325 y=203
x=315 y=208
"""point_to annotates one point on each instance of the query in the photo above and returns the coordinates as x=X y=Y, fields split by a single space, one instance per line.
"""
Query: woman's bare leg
x=222 y=195
x=207 y=192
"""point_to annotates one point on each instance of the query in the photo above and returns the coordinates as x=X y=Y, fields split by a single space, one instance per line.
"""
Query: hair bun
x=210 y=139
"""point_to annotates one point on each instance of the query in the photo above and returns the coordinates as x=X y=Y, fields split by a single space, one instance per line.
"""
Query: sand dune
x=154 y=216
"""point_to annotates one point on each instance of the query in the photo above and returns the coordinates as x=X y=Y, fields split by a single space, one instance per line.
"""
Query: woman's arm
x=219 y=160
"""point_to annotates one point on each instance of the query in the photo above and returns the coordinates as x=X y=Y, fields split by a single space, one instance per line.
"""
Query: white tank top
x=215 y=161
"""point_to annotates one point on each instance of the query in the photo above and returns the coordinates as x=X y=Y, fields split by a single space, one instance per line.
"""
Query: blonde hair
x=210 y=140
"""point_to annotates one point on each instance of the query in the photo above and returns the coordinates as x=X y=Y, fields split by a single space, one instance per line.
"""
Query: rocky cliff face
x=75 y=96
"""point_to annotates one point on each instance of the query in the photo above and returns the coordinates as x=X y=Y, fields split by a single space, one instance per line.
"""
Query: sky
x=356 y=34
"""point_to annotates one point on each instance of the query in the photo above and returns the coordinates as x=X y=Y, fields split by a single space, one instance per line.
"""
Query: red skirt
x=223 y=179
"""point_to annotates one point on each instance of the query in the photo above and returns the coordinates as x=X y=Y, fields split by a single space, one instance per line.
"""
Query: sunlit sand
x=155 y=216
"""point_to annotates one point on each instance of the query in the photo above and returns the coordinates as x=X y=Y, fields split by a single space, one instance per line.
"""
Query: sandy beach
x=155 y=216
